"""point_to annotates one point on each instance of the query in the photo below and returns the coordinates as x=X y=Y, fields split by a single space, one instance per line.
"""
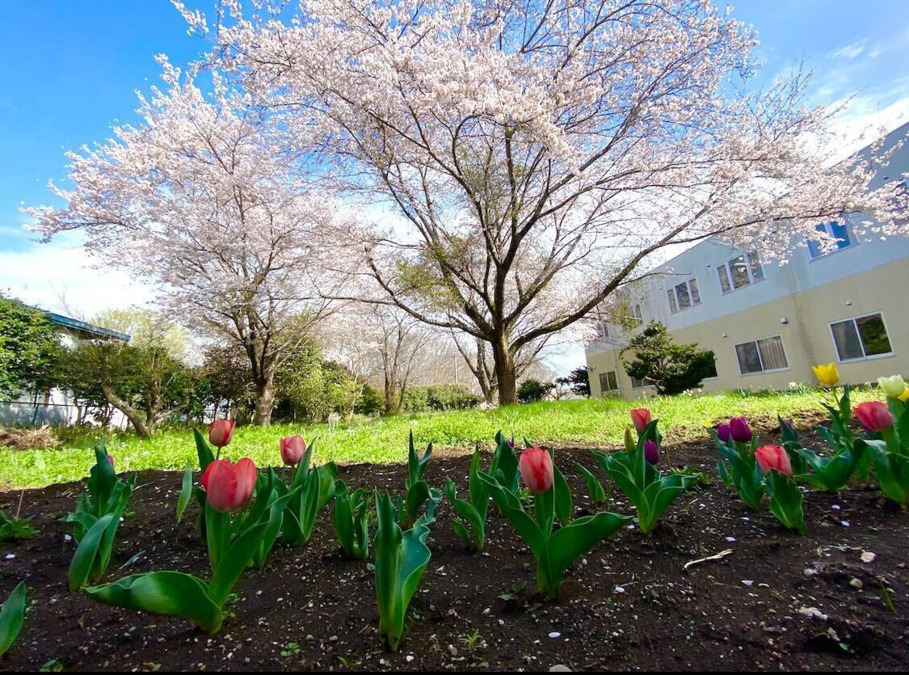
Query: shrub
x=531 y=390
x=669 y=367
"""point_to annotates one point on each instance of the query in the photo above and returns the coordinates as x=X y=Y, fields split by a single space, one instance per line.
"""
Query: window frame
x=763 y=370
x=673 y=296
x=828 y=230
x=752 y=259
x=615 y=375
x=854 y=321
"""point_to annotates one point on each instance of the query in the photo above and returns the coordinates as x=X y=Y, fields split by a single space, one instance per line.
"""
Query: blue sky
x=69 y=70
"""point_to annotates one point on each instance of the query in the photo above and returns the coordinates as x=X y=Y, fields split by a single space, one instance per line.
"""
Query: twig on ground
x=718 y=556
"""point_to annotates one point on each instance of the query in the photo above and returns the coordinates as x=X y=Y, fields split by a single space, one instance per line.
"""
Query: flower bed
x=627 y=604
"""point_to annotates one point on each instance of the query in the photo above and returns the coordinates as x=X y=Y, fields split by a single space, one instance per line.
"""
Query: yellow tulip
x=893 y=386
x=828 y=375
x=904 y=397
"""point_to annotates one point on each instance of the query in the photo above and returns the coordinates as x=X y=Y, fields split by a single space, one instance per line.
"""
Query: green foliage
x=15 y=529
x=370 y=403
x=742 y=472
x=670 y=367
x=642 y=482
x=30 y=349
x=828 y=473
x=314 y=487
x=531 y=390
x=401 y=559
x=418 y=490
x=439 y=398
x=786 y=501
x=234 y=543
x=472 y=529
x=350 y=521
x=96 y=520
x=554 y=551
x=309 y=387
x=12 y=616
x=579 y=380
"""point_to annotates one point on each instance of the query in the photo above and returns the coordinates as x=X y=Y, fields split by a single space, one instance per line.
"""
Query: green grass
x=587 y=422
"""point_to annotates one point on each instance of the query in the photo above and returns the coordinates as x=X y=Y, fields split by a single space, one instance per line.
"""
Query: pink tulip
x=536 y=469
x=641 y=418
x=110 y=460
x=220 y=432
x=773 y=457
x=229 y=487
x=874 y=416
x=292 y=450
x=651 y=452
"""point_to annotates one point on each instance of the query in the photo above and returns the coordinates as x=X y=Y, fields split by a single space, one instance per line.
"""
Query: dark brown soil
x=777 y=602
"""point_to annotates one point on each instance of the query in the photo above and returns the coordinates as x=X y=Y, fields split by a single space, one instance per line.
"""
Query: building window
x=712 y=372
x=684 y=295
x=638 y=312
x=761 y=356
x=608 y=382
x=637 y=384
x=604 y=330
x=738 y=272
x=861 y=337
x=835 y=230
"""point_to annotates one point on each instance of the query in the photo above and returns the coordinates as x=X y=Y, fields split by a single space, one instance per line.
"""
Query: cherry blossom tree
x=541 y=154
x=204 y=198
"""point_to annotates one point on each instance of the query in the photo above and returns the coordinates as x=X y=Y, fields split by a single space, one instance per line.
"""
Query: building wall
x=806 y=335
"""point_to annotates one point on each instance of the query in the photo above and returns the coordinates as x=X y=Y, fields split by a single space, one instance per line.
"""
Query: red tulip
x=773 y=457
x=651 y=452
x=292 y=450
x=536 y=469
x=874 y=416
x=641 y=418
x=228 y=487
x=220 y=432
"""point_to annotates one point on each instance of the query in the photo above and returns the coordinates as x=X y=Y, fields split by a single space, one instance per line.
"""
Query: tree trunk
x=505 y=373
x=131 y=413
x=391 y=398
x=265 y=400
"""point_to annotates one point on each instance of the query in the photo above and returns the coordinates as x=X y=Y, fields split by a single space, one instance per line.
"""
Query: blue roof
x=87 y=328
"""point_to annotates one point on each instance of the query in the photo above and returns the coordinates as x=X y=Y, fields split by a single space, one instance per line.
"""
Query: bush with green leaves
x=532 y=390
x=15 y=528
x=670 y=367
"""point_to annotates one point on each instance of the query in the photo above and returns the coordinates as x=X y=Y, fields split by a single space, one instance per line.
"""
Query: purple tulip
x=651 y=453
x=724 y=431
x=741 y=432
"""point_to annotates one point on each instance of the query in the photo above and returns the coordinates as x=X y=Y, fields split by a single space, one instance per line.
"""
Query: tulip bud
x=110 y=460
x=641 y=417
x=292 y=450
x=229 y=487
x=773 y=457
x=536 y=469
x=874 y=416
x=724 y=432
x=220 y=432
x=651 y=452
x=827 y=375
x=739 y=430
x=893 y=387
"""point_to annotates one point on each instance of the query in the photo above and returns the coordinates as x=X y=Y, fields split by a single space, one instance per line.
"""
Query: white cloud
x=62 y=277
x=849 y=51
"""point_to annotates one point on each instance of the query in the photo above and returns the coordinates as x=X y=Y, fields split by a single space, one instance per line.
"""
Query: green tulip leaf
x=166 y=593
x=12 y=616
x=186 y=492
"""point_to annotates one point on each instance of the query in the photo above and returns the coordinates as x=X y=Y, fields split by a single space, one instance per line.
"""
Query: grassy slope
x=593 y=422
